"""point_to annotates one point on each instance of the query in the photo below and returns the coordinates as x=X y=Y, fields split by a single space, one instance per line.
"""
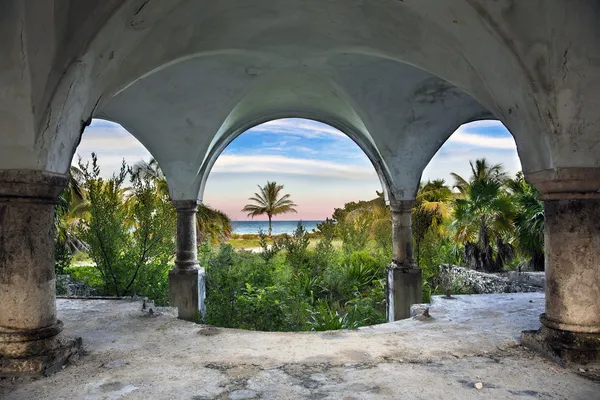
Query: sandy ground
x=131 y=355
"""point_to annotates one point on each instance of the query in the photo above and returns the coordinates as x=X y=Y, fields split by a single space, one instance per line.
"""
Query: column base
x=38 y=352
x=404 y=290
x=187 y=291
x=563 y=347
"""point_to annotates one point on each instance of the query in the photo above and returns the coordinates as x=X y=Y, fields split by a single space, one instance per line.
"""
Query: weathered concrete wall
x=401 y=74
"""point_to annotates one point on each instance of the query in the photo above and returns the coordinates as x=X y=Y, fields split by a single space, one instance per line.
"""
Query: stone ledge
x=31 y=184
x=563 y=347
x=576 y=180
x=60 y=352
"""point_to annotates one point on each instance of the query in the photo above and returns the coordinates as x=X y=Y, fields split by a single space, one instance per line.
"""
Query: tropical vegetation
x=328 y=279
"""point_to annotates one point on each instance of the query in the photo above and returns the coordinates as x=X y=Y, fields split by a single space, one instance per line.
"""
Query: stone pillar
x=403 y=277
x=402 y=251
x=29 y=331
x=571 y=324
x=186 y=279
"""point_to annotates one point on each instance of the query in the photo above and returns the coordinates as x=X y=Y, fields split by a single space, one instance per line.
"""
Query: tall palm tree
x=481 y=171
x=269 y=202
x=210 y=222
x=529 y=221
x=432 y=207
x=484 y=217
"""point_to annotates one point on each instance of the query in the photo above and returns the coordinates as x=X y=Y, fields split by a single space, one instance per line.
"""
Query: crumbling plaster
x=534 y=65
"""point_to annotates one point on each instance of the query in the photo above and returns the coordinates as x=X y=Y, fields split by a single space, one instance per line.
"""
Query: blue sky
x=318 y=165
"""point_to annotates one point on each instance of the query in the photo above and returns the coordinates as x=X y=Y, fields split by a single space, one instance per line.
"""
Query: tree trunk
x=537 y=261
x=270 y=229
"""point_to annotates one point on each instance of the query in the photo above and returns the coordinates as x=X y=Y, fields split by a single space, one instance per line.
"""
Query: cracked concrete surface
x=131 y=355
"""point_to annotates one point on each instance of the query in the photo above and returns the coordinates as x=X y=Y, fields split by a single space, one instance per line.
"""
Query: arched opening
x=476 y=214
x=324 y=265
x=309 y=155
x=116 y=224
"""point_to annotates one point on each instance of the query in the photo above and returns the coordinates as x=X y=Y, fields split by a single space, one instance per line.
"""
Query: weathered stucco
x=30 y=339
x=572 y=247
x=185 y=76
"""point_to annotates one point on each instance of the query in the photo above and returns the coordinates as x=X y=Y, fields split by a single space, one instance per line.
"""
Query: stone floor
x=472 y=339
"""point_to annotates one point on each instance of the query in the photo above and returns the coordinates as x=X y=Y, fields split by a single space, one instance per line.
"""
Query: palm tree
x=373 y=219
x=483 y=217
x=269 y=202
x=432 y=208
x=529 y=221
x=436 y=198
x=210 y=222
x=481 y=171
x=72 y=206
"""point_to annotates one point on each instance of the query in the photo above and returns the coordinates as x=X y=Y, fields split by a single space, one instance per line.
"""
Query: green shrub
x=89 y=275
x=325 y=318
x=130 y=233
x=260 y=309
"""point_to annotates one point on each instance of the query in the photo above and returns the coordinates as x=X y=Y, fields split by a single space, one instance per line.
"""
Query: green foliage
x=296 y=247
x=325 y=251
x=288 y=287
x=529 y=221
x=211 y=224
x=130 y=233
x=260 y=308
x=354 y=234
x=87 y=274
x=289 y=291
x=62 y=256
x=484 y=217
x=325 y=318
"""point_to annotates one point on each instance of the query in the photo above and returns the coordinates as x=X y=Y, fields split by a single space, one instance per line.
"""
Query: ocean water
x=279 y=227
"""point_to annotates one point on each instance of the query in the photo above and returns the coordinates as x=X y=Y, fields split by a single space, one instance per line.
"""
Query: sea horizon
x=279 y=227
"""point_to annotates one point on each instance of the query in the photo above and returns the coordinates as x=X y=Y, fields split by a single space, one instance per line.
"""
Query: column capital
x=566 y=183
x=186 y=205
x=401 y=206
x=33 y=184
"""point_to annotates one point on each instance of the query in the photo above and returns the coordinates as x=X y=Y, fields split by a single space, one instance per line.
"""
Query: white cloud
x=443 y=163
x=298 y=127
x=293 y=166
x=474 y=134
x=111 y=143
x=461 y=136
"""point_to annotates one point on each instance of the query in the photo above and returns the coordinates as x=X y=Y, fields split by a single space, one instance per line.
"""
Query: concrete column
x=571 y=324
x=402 y=251
x=403 y=277
x=29 y=331
x=186 y=279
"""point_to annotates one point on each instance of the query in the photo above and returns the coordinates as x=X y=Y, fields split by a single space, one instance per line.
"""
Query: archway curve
x=108 y=138
x=480 y=138
x=465 y=71
x=376 y=161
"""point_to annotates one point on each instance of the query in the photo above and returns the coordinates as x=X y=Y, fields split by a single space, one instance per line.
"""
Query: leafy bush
x=296 y=247
x=89 y=275
x=325 y=318
x=260 y=308
x=130 y=233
